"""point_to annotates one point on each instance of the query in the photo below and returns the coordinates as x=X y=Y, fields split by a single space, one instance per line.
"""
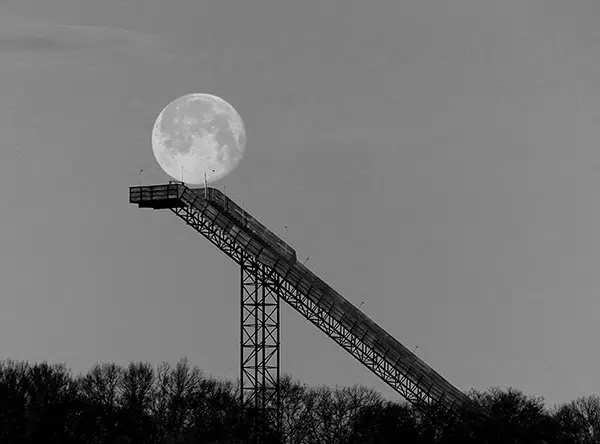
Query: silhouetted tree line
x=43 y=403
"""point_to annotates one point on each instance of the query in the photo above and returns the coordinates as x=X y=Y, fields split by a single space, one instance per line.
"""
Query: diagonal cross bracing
x=240 y=236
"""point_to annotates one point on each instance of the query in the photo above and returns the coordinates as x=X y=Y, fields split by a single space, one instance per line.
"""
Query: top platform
x=157 y=196
x=177 y=195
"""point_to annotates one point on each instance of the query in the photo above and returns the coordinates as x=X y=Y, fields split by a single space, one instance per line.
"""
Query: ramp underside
x=237 y=233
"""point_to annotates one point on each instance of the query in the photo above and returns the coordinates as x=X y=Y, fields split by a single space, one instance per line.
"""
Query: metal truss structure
x=270 y=273
x=259 y=349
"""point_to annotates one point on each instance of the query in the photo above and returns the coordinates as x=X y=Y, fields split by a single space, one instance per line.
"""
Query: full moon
x=198 y=137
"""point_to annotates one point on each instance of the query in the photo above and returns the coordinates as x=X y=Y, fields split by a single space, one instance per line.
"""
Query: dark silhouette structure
x=269 y=273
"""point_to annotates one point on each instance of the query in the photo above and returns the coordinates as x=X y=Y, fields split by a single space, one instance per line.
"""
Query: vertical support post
x=278 y=359
x=260 y=345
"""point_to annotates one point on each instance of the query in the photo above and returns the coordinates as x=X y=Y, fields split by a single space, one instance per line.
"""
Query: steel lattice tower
x=269 y=273
x=259 y=348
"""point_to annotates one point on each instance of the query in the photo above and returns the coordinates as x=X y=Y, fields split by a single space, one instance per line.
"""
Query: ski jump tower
x=270 y=273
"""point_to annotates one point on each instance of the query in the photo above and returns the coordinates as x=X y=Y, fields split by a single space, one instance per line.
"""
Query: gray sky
x=436 y=159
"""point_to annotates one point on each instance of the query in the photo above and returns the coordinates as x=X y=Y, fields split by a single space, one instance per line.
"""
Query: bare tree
x=135 y=416
x=396 y=423
x=51 y=394
x=138 y=387
x=579 y=420
x=101 y=391
x=361 y=403
x=13 y=400
x=216 y=412
x=338 y=414
x=515 y=417
x=174 y=395
x=297 y=404
x=102 y=385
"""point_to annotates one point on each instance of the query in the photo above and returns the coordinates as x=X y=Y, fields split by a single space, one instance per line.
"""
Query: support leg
x=259 y=369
